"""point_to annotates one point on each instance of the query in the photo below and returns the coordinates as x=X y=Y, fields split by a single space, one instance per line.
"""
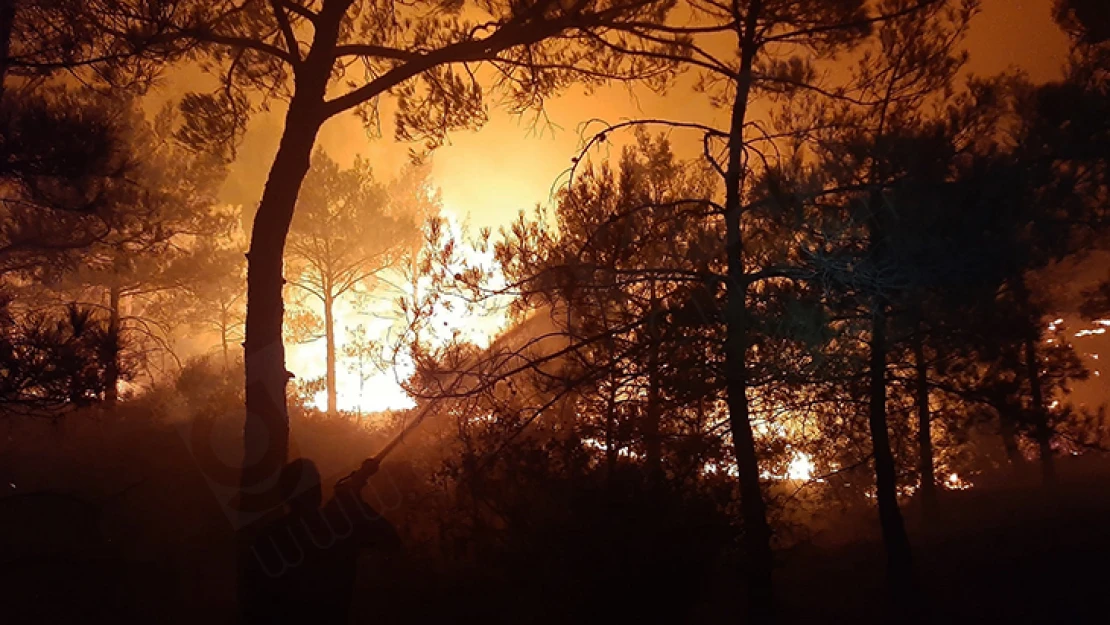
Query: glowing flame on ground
x=955 y=482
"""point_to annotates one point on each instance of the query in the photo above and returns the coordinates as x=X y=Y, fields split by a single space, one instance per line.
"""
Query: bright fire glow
x=376 y=390
x=801 y=467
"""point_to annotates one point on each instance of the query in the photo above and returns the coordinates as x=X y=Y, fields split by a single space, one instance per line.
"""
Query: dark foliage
x=54 y=360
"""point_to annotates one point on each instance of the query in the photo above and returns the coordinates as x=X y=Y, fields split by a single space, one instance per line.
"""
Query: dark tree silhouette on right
x=1087 y=21
x=875 y=147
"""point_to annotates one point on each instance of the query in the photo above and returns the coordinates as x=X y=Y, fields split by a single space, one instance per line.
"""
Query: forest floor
x=1010 y=552
x=162 y=550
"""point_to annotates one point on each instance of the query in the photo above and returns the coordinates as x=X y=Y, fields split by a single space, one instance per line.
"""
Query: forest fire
x=554 y=311
x=371 y=334
x=801 y=468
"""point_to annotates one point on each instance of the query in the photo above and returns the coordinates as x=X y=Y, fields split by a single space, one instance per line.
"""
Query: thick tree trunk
x=924 y=428
x=899 y=559
x=266 y=430
x=112 y=367
x=329 y=345
x=757 y=530
x=266 y=433
x=1041 y=428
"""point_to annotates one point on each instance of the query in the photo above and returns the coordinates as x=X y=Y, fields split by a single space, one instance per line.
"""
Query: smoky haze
x=682 y=311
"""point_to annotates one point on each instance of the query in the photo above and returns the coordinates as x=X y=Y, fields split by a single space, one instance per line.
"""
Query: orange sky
x=487 y=176
x=490 y=174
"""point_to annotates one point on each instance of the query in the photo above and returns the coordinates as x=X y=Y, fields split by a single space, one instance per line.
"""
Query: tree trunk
x=1007 y=431
x=329 y=345
x=1041 y=428
x=757 y=530
x=652 y=443
x=924 y=428
x=224 y=341
x=112 y=367
x=266 y=430
x=895 y=540
x=7 y=24
x=611 y=434
x=1042 y=431
x=899 y=559
x=265 y=436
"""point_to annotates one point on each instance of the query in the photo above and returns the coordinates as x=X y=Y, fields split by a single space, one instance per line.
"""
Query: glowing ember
x=600 y=445
x=954 y=482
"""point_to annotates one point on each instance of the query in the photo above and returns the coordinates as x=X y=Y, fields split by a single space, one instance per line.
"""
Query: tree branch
x=303 y=11
x=287 y=32
x=376 y=51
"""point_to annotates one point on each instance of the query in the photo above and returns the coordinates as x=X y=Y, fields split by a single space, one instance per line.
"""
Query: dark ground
x=161 y=552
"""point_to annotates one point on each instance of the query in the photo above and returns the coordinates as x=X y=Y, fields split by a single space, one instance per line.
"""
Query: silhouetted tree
x=64 y=145
x=148 y=256
x=1085 y=20
x=344 y=234
x=627 y=252
x=1096 y=302
x=51 y=360
x=65 y=156
x=880 y=144
x=301 y=53
x=90 y=40
x=773 y=44
x=1059 y=185
x=217 y=301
